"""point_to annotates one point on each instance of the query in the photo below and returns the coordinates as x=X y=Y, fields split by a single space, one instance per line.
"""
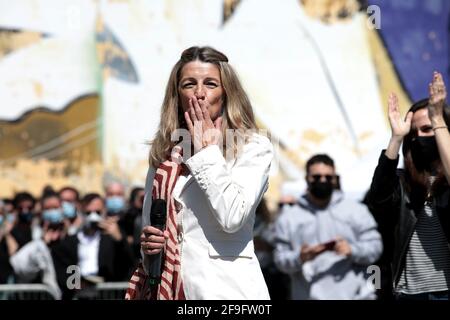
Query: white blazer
x=217 y=212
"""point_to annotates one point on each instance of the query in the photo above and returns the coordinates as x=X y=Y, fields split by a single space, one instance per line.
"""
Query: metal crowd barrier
x=101 y=291
x=26 y=291
x=112 y=290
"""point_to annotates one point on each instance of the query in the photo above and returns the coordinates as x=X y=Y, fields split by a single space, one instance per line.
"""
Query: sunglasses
x=89 y=212
x=317 y=177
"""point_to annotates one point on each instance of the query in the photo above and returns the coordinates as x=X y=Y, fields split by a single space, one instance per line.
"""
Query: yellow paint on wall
x=11 y=41
x=33 y=176
x=38 y=89
x=330 y=11
x=57 y=148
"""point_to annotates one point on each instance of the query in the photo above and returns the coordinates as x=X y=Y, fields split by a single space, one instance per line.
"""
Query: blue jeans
x=442 y=295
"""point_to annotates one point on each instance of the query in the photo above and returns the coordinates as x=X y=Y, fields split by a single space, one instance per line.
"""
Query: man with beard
x=325 y=242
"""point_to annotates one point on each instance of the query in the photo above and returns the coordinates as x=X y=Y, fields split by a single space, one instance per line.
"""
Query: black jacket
x=114 y=260
x=392 y=207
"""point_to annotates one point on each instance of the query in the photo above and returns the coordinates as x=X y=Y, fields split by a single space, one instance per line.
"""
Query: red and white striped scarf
x=171 y=287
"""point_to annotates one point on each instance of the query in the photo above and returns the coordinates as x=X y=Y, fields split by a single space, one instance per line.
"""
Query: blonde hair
x=237 y=110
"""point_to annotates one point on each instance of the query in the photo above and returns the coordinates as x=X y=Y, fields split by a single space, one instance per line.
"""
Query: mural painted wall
x=82 y=81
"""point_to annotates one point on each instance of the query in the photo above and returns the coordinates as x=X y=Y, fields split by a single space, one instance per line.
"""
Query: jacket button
x=180 y=237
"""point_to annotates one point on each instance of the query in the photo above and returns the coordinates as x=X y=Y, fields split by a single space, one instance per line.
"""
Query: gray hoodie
x=33 y=258
x=329 y=275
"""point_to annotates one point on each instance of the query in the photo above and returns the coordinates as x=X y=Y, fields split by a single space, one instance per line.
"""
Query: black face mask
x=424 y=151
x=321 y=190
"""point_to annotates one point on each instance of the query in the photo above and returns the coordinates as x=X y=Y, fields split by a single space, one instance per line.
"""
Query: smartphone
x=94 y=225
x=330 y=245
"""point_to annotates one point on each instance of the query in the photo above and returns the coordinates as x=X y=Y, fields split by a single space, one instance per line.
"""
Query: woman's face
x=201 y=80
x=421 y=124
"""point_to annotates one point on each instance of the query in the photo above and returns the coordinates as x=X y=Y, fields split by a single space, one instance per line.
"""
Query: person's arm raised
x=399 y=127
x=438 y=95
x=383 y=192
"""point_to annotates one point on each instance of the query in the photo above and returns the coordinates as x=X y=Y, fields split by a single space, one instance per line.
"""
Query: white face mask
x=72 y=230
x=91 y=220
x=94 y=217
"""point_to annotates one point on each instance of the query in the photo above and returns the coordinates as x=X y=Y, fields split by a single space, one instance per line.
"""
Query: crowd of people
x=40 y=239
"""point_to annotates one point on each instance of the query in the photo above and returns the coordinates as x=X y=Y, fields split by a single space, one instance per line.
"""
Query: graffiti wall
x=82 y=81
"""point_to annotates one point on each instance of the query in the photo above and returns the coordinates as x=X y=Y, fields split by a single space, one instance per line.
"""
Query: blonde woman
x=207 y=246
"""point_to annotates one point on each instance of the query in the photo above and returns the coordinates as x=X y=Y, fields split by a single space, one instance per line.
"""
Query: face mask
x=25 y=217
x=6 y=218
x=321 y=190
x=53 y=215
x=115 y=204
x=72 y=230
x=424 y=151
x=69 y=210
x=11 y=217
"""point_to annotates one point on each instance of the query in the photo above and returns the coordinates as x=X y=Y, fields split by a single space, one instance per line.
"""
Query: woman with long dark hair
x=415 y=201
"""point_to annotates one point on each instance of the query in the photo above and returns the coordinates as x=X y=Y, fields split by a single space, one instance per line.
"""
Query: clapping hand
x=438 y=96
x=400 y=127
x=51 y=234
x=111 y=227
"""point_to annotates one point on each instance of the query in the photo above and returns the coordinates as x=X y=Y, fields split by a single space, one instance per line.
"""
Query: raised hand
x=204 y=131
x=5 y=228
x=50 y=235
x=438 y=96
x=110 y=226
x=8 y=226
x=400 y=127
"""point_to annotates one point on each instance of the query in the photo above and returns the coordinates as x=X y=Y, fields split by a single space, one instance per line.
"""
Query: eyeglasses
x=328 y=177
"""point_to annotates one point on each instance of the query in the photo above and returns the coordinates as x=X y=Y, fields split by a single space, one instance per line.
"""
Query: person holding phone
x=325 y=242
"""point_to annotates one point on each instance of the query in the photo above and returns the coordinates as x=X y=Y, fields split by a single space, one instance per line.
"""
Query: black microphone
x=158 y=214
